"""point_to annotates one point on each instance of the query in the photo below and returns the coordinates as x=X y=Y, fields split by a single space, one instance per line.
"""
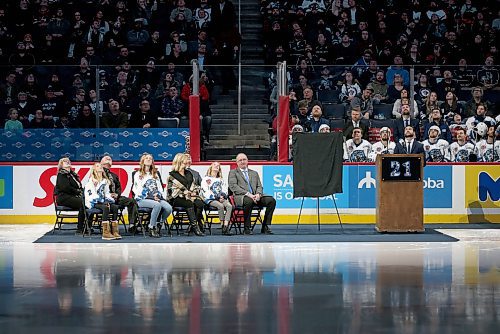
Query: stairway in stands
x=225 y=142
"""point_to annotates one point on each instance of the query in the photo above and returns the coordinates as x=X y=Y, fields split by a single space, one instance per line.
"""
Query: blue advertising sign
x=278 y=182
x=6 y=188
x=437 y=186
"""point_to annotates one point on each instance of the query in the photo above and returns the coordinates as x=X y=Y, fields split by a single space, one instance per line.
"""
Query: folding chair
x=93 y=218
x=238 y=217
x=63 y=213
x=211 y=213
x=179 y=218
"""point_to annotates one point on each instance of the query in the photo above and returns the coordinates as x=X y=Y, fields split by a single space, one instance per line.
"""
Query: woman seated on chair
x=148 y=189
x=182 y=192
x=69 y=189
x=97 y=195
x=214 y=190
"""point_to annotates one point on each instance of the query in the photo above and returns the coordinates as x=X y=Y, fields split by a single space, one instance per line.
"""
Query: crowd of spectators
x=360 y=53
x=49 y=50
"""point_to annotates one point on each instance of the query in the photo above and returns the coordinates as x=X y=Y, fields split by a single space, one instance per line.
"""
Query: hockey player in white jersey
x=473 y=122
x=436 y=149
x=488 y=149
x=461 y=150
x=384 y=146
x=357 y=149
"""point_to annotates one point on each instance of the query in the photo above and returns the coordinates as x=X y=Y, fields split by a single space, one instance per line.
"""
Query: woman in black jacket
x=69 y=190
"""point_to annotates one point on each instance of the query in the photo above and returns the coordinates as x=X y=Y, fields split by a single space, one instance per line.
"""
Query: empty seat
x=334 y=111
x=328 y=96
x=382 y=111
x=167 y=123
x=337 y=125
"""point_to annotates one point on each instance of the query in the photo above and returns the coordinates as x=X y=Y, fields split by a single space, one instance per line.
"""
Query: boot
x=106 y=232
x=193 y=224
x=115 y=230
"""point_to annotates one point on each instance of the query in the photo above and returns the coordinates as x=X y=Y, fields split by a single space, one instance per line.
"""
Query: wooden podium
x=400 y=193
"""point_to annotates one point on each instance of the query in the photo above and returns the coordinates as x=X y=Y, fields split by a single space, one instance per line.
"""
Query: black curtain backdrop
x=317 y=164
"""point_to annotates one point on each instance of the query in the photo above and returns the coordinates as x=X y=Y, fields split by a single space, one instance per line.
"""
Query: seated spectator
x=24 y=107
x=299 y=88
x=404 y=99
x=145 y=117
x=370 y=73
x=172 y=107
x=345 y=51
x=74 y=106
x=450 y=106
x=183 y=192
x=316 y=119
x=300 y=118
x=215 y=194
x=13 y=124
x=461 y=150
x=355 y=122
x=97 y=195
x=488 y=76
x=436 y=149
x=357 y=149
x=463 y=74
x=86 y=118
x=394 y=89
x=380 y=87
x=40 y=121
x=406 y=120
x=32 y=88
x=309 y=99
x=69 y=190
x=115 y=118
x=436 y=119
x=181 y=9
x=137 y=37
x=477 y=99
x=422 y=89
x=365 y=103
x=361 y=65
x=447 y=85
x=349 y=89
x=430 y=103
x=326 y=80
x=147 y=187
x=397 y=68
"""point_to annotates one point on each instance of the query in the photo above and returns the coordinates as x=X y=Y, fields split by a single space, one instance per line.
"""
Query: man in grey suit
x=247 y=189
x=196 y=175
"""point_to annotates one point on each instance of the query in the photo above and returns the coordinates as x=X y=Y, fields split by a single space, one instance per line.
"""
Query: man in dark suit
x=196 y=175
x=409 y=145
x=355 y=122
x=405 y=120
x=247 y=189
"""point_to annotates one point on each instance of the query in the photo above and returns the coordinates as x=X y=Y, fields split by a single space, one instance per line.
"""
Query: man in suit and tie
x=405 y=120
x=355 y=122
x=409 y=145
x=247 y=189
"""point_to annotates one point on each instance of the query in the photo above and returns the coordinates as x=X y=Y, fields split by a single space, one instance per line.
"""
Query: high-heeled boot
x=193 y=223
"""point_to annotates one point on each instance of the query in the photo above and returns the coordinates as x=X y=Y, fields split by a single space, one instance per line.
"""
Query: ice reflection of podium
x=400 y=193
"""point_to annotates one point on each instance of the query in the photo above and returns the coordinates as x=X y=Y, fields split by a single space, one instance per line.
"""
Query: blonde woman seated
x=214 y=190
x=183 y=192
x=97 y=195
x=148 y=192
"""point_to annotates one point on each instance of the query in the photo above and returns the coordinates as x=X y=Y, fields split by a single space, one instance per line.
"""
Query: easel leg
x=338 y=215
x=317 y=213
x=300 y=213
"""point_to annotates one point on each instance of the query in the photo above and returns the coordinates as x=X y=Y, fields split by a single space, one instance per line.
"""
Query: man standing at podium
x=409 y=145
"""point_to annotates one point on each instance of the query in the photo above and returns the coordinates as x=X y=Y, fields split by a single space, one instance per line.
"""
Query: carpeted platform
x=282 y=233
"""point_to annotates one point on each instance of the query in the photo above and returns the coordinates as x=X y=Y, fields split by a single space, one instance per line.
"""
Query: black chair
x=334 y=111
x=93 y=218
x=337 y=125
x=167 y=123
x=238 y=217
x=382 y=111
x=328 y=96
x=376 y=125
x=64 y=215
x=211 y=213
x=179 y=218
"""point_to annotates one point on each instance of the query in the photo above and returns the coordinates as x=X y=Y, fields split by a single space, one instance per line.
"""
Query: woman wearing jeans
x=148 y=189
x=214 y=190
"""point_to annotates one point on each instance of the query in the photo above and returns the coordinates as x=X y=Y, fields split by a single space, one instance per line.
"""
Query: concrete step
x=229 y=153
